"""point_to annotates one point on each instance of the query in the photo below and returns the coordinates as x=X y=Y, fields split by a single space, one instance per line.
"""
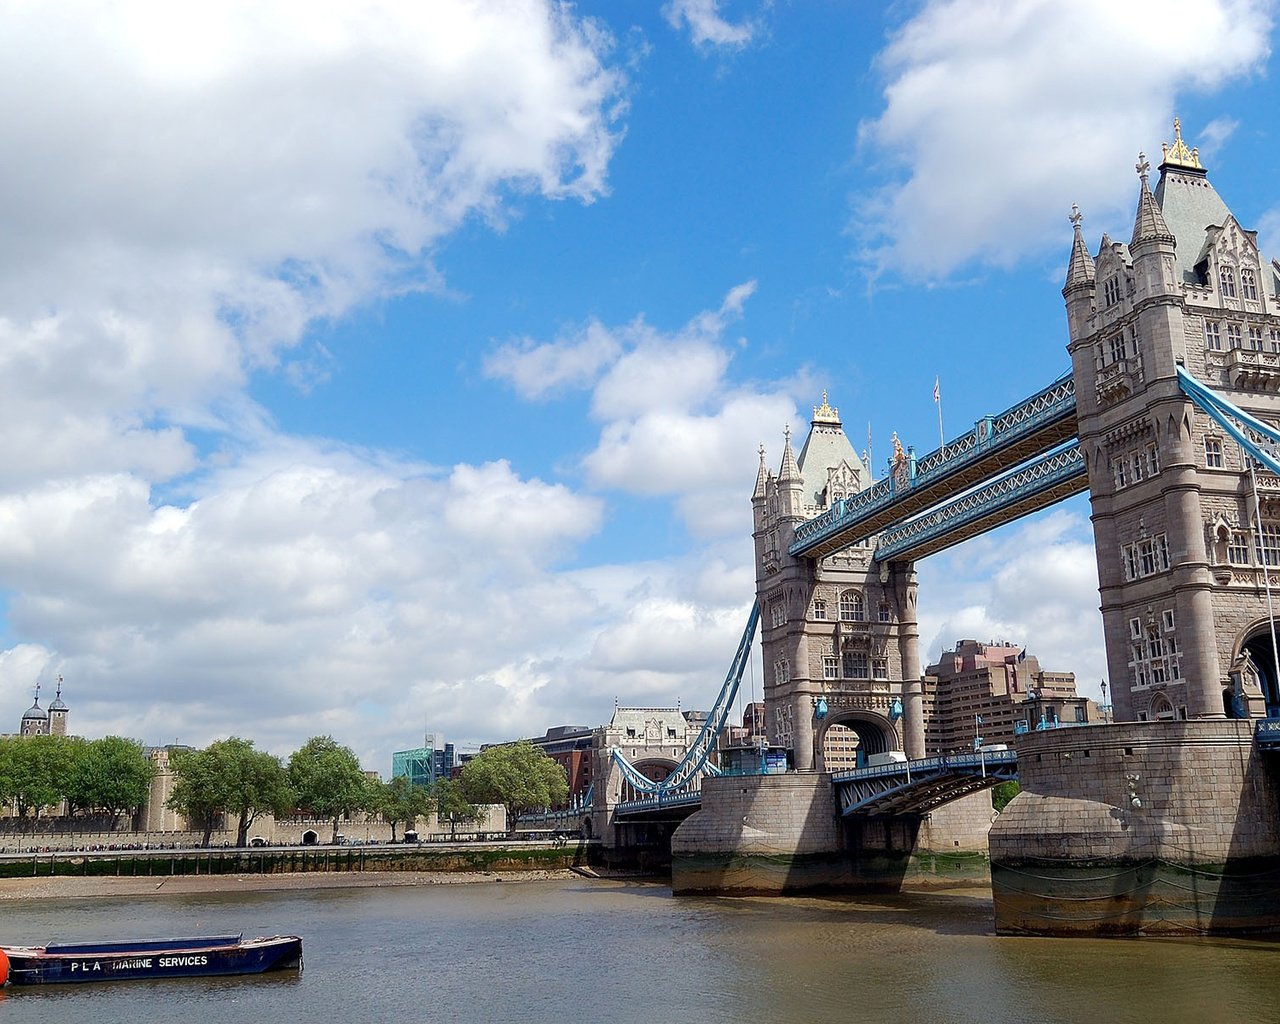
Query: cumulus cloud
x=188 y=191
x=998 y=115
x=1034 y=583
x=672 y=423
x=707 y=28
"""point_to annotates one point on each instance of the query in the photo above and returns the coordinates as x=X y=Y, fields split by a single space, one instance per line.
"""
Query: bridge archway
x=1261 y=659
x=874 y=734
x=653 y=768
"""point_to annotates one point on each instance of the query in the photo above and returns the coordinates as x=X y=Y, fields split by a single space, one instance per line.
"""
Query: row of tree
x=230 y=780
x=108 y=776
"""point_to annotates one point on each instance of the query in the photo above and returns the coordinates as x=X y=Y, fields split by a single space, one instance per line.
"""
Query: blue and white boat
x=189 y=957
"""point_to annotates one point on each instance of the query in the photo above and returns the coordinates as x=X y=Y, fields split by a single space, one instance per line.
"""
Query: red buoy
x=4 y=968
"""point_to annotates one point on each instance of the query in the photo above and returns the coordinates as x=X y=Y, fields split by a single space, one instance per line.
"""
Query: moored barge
x=187 y=957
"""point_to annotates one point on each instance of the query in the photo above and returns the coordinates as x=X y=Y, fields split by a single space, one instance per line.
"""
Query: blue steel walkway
x=1036 y=425
x=917 y=787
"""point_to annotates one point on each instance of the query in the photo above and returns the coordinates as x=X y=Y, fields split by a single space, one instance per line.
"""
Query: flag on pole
x=937 y=389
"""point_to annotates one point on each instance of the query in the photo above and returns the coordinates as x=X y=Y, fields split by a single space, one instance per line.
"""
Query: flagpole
x=937 y=400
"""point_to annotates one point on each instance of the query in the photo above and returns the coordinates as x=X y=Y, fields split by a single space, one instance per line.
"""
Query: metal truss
x=687 y=775
x=917 y=787
x=1033 y=426
x=1052 y=479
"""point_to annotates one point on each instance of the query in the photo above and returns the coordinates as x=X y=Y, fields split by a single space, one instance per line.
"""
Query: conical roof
x=1081 y=272
x=1149 y=224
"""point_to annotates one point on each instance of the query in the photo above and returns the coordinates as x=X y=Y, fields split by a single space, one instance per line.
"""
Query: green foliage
x=401 y=801
x=35 y=771
x=517 y=775
x=452 y=805
x=327 y=780
x=1003 y=793
x=111 y=775
x=229 y=777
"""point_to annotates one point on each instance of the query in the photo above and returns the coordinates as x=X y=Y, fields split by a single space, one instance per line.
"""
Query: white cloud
x=1034 y=583
x=188 y=190
x=706 y=25
x=999 y=115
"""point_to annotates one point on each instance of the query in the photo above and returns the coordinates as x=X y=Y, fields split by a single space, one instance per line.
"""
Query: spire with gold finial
x=1178 y=155
x=825 y=413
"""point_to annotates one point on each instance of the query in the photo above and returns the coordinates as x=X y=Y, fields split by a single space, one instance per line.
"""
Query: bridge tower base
x=1141 y=828
x=781 y=834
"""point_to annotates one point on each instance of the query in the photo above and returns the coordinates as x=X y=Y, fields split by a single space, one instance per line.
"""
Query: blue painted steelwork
x=916 y=787
x=1242 y=426
x=1042 y=421
x=1266 y=734
x=1005 y=499
x=695 y=762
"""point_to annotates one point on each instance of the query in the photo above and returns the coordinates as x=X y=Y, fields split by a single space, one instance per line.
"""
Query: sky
x=376 y=370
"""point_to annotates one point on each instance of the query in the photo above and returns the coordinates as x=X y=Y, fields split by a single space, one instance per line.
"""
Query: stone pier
x=1140 y=828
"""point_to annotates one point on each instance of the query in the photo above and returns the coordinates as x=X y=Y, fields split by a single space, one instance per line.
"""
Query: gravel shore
x=59 y=887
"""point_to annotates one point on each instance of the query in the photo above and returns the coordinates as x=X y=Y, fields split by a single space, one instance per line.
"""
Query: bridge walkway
x=1036 y=425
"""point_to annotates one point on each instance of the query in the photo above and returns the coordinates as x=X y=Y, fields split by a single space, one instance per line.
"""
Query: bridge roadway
x=903 y=787
x=940 y=483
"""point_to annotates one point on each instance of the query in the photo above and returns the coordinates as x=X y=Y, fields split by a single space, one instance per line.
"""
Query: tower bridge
x=1166 y=419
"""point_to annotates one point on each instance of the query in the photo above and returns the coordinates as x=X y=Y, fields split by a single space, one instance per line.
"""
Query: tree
x=38 y=770
x=517 y=775
x=112 y=775
x=401 y=800
x=453 y=806
x=327 y=780
x=197 y=793
x=1003 y=793
x=230 y=777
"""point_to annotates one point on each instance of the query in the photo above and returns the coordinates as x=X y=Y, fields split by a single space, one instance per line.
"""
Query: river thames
x=631 y=953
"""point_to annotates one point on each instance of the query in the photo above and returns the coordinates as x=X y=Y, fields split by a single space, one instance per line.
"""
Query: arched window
x=883 y=613
x=1227 y=282
x=852 y=607
x=1249 y=284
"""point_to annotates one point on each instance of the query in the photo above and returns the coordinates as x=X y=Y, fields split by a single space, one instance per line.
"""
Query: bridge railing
x=942 y=762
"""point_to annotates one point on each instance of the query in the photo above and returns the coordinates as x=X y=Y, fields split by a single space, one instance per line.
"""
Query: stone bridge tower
x=1183 y=533
x=839 y=634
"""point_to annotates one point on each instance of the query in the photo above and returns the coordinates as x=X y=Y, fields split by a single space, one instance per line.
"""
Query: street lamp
x=1106 y=708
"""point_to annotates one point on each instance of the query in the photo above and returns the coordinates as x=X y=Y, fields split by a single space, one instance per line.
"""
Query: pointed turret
x=790 y=469
x=762 y=478
x=790 y=482
x=1081 y=288
x=1080 y=271
x=1149 y=225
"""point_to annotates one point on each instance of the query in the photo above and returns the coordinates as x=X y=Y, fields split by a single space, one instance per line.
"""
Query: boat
x=189 y=957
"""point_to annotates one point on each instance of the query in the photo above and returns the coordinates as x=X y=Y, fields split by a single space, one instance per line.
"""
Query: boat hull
x=46 y=967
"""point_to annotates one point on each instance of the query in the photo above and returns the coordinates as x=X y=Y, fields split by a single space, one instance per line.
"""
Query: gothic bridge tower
x=839 y=634
x=1183 y=534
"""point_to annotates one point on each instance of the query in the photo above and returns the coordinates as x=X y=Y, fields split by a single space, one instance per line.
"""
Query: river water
x=627 y=953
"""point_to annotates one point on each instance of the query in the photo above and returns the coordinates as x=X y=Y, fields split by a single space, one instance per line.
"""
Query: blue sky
x=405 y=371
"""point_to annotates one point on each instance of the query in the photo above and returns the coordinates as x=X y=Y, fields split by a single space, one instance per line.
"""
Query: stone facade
x=1181 y=531
x=839 y=634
